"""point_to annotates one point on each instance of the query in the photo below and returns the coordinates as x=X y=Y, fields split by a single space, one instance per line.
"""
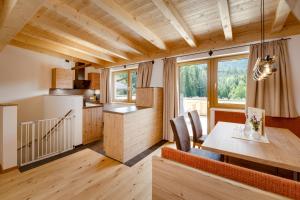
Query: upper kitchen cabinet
x=95 y=81
x=62 y=78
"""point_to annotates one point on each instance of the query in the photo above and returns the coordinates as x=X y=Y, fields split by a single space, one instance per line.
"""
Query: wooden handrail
x=56 y=125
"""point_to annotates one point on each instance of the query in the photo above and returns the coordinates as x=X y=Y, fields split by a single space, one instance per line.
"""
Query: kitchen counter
x=130 y=129
x=123 y=109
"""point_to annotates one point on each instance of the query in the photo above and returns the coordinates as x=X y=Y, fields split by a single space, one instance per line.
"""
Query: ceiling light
x=264 y=65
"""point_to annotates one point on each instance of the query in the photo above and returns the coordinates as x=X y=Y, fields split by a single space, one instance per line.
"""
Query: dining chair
x=198 y=137
x=182 y=139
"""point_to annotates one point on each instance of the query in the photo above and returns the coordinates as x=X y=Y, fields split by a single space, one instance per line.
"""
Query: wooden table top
x=283 y=151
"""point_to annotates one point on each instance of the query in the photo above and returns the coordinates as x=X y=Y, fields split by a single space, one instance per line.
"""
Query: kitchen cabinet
x=95 y=80
x=92 y=124
x=62 y=78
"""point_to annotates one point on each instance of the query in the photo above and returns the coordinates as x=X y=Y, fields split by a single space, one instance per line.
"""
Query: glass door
x=193 y=91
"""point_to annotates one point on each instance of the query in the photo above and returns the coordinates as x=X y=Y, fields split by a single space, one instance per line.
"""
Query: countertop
x=123 y=109
x=92 y=105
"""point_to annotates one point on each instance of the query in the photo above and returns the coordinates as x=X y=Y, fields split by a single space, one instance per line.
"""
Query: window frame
x=214 y=82
x=129 y=90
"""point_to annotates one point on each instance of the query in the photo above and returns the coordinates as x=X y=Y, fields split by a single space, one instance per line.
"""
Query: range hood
x=80 y=82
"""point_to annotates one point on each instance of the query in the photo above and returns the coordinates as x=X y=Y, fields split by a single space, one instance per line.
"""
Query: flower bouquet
x=256 y=119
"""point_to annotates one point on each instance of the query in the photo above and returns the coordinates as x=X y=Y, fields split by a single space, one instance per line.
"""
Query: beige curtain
x=171 y=104
x=105 y=86
x=144 y=74
x=274 y=94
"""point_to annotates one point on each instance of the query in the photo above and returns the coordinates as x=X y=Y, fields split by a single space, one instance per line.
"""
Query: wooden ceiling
x=109 y=33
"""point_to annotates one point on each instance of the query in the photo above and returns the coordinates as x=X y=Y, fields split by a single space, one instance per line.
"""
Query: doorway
x=193 y=91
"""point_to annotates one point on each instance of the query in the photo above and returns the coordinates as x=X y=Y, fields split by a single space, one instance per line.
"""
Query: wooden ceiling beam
x=282 y=12
x=115 y=10
x=295 y=7
x=170 y=12
x=6 y=6
x=14 y=15
x=217 y=42
x=79 y=36
x=57 y=47
x=93 y=26
x=225 y=18
x=44 y=34
x=43 y=50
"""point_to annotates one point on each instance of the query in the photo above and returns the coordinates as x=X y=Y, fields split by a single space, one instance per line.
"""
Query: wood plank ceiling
x=110 y=33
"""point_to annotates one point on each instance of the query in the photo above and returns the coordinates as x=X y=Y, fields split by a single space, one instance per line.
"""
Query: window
x=230 y=83
x=124 y=85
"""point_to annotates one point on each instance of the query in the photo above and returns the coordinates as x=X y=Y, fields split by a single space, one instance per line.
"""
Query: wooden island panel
x=92 y=124
x=127 y=135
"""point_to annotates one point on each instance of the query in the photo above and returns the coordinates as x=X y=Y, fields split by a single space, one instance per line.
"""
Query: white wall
x=157 y=73
x=25 y=76
x=58 y=106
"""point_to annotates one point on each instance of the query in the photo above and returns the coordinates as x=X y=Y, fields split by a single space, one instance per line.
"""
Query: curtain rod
x=220 y=49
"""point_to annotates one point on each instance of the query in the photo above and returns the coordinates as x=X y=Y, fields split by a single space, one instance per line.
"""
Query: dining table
x=280 y=150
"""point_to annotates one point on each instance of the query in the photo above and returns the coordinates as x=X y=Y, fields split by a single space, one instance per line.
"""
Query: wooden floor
x=83 y=175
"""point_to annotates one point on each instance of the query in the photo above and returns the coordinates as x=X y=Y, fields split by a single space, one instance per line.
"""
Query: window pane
x=232 y=76
x=121 y=86
x=133 y=76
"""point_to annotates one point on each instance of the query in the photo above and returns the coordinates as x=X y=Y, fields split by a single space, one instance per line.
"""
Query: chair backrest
x=181 y=134
x=196 y=124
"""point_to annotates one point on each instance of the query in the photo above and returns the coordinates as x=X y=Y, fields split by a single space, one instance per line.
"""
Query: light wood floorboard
x=83 y=175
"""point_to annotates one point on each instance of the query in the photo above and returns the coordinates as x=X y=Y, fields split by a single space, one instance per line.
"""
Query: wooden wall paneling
x=14 y=15
x=91 y=25
x=282 y=12
x=167 y=183
x=129 y=20
x=70 y=33
x=45 y=34
x=170 y=12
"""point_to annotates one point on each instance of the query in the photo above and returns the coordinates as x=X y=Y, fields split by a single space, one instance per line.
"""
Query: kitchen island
x=130 y=130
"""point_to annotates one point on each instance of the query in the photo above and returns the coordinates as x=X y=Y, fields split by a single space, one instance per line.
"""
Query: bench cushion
x=270 y=183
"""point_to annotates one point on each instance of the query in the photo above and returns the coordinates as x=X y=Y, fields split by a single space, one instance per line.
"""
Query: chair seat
x=206 y=154
x=201 y=139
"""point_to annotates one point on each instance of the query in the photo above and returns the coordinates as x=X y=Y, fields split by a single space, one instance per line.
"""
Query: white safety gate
x=45 y=138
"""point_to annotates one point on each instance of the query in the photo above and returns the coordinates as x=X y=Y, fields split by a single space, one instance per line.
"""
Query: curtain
x=144 y=74
x=104 y=86
x=274 y=94
x=171 y=104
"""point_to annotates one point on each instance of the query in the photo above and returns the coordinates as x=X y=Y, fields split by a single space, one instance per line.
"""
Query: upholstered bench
x=180 y=175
